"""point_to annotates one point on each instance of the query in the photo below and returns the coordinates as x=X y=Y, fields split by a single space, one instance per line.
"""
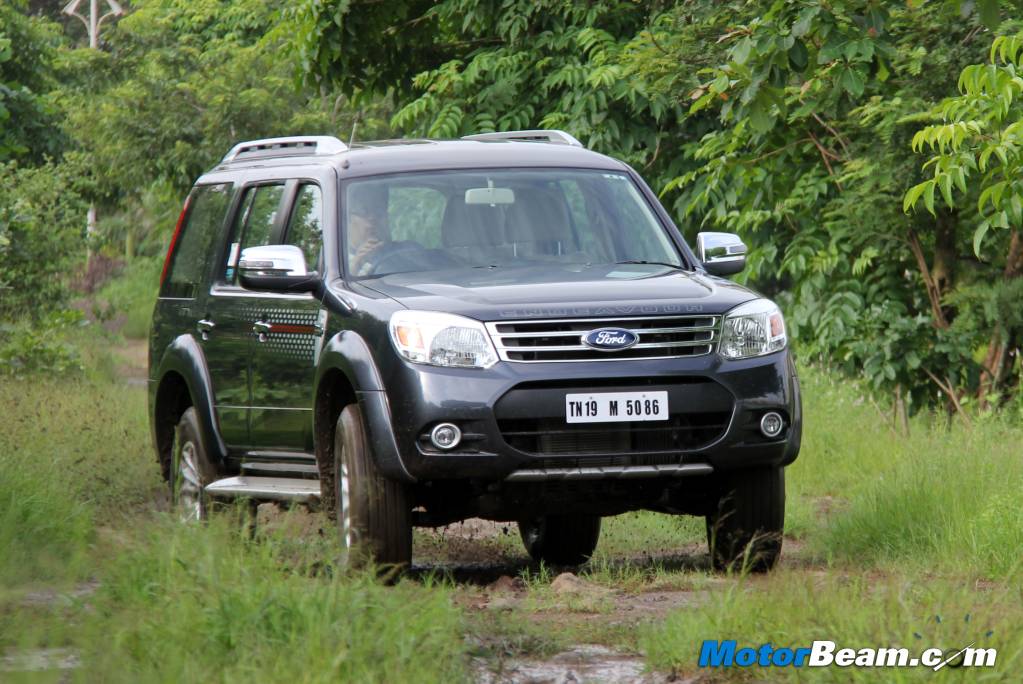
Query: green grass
x=191 y=603
x=890 y=532
x=791 y=609
x=898 y=531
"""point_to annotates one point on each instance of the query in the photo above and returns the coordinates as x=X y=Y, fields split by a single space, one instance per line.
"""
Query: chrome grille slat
x=689 y=335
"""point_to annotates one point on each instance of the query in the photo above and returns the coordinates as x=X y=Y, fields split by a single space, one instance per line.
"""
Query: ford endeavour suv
x=507 y=326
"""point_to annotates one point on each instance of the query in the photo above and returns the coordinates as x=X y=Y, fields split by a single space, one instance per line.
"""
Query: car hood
x=492 y=294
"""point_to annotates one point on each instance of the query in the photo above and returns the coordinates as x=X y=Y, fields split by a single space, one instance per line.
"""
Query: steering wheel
x=391 y=251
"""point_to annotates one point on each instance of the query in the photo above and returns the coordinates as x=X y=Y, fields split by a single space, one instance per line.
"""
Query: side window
x=253 y=224
x=259 y=223
x=195 y=246
x=305 y=227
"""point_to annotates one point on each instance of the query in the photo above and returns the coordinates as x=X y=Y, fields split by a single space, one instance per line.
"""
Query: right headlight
x=753 y=329
x=442 y=339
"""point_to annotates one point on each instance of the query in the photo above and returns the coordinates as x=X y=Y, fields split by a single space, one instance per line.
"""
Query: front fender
x=184 y=356
x=348 y=353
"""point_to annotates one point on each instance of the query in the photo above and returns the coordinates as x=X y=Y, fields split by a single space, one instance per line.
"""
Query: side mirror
x=276 y=268
x=721 y=254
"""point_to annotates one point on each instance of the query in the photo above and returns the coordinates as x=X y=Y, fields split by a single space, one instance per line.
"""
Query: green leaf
x=989 y=15
x=978 y=236
x=740 y=53
x=945 y=183
x=798 y=55
x=929 y=197
x=852 y=80
x=913 y=195
x=760 y=119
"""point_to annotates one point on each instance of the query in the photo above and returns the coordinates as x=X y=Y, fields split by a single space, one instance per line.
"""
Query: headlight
x=753 y=329
x=441 y=339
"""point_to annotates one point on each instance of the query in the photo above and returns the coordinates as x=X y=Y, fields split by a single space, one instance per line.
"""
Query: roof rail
x=285 y=147
x=545 y=136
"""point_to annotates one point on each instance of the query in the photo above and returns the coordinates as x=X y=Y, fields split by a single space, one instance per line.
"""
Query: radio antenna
x=355 y=124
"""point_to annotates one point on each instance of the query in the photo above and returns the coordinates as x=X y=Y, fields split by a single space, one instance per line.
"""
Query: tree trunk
x=995 y=361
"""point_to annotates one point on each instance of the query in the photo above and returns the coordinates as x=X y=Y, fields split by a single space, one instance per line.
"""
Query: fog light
x=445 y=436
x=772 y=424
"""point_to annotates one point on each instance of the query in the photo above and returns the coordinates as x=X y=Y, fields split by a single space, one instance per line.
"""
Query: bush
x=40 y=348
x=42 y=221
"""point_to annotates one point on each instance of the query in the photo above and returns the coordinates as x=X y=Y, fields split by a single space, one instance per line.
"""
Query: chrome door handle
x=261 y=328
x=205 y=327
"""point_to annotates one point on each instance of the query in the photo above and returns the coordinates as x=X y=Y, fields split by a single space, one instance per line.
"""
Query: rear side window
x=197 y=240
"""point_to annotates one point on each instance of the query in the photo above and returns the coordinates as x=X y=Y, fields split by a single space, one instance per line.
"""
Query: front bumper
x=485 y=403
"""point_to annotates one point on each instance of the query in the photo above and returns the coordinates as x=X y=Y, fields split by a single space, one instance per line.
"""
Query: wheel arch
x=347 y=373
x=184 y=381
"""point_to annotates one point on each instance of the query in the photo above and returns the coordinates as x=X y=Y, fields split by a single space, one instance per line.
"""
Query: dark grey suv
x=506 y=326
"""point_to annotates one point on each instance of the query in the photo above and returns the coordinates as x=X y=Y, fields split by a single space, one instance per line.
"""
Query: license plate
x=616 y=407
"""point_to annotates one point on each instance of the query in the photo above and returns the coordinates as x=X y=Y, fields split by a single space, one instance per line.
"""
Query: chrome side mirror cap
x=276 y=268
x=721 y=254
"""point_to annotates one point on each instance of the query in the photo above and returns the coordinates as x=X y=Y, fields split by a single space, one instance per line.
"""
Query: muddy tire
x=561 y=539
x=744 y=531
x=190 y=470
x=374 y=515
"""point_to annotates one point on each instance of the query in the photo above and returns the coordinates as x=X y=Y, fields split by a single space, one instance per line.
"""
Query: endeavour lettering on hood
x=650 y=309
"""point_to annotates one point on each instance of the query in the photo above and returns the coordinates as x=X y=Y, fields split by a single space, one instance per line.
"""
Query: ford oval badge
x=610 y=339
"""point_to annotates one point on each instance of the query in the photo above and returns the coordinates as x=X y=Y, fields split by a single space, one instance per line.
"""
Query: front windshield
x=497 y=218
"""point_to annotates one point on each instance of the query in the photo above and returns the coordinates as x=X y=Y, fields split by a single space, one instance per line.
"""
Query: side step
x=265 y=489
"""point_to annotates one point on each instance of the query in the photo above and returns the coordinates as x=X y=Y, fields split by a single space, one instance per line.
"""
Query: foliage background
x=795 y=123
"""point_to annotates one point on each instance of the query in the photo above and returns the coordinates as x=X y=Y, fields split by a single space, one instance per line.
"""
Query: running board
x=265 y=489
x=610 y=472
x=268 y=468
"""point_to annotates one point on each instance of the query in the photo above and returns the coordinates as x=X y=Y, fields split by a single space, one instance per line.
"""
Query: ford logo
x=610 y=339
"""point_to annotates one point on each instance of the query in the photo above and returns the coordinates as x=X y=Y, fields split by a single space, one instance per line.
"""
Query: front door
x=288 y=335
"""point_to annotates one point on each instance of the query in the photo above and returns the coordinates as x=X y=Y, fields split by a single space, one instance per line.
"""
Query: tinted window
x=195 y=246
x=305 y=229
x=253 y=224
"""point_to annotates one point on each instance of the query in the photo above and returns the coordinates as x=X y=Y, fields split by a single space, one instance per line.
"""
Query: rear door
x=285 y=352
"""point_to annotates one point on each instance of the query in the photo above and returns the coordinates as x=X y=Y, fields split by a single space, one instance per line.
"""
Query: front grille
x=561 y=340
x=595 y=441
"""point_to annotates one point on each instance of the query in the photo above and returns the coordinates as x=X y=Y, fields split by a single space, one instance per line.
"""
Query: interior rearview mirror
x=276 y=268
x=721 y=253
x=490 y=195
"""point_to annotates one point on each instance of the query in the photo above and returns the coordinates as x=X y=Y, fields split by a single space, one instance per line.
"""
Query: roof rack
x=544 y=136
x=285 y=147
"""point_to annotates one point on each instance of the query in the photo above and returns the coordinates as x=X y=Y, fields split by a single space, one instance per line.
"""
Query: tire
x=374 y=514
x=191 y=470
x=561 y=539
x=745 y=530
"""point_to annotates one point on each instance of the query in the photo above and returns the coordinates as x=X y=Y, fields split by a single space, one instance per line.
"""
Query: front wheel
x=745 y=529
x=561 y=539
x=374 y=516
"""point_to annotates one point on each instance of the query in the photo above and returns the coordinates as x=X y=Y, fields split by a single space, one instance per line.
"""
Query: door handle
x=262 y=328
x=205 y=327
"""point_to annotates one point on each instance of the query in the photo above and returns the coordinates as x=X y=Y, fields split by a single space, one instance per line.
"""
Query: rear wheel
x=561 y=539
x=374 y=516
x=745 y=529
x=191 y=470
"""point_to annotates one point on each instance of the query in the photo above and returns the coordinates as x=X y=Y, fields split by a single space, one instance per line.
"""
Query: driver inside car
x=368 y=231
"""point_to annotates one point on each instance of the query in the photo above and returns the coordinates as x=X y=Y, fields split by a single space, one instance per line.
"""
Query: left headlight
x=753 y=329
x=441 y=339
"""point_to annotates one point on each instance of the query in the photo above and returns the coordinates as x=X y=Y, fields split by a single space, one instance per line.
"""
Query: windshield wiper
x=678 y=267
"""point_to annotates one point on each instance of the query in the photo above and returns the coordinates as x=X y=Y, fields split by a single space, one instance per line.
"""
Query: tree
x=789 y=123
x=27 y=119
